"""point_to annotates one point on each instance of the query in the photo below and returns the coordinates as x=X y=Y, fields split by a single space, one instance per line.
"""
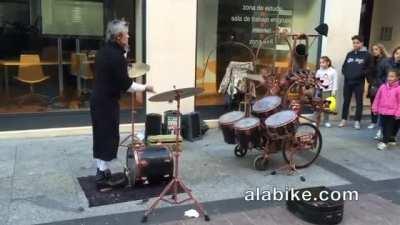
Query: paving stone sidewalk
x=38 y=179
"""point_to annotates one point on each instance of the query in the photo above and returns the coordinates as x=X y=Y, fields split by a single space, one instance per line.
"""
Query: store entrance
x=379 y=23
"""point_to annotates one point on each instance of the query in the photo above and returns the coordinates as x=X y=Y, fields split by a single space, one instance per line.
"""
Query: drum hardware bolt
x=126 y=171
x=273 y=172
x=302 y=178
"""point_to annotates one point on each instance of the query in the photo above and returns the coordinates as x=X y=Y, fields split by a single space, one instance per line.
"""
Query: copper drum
x=266 y=106
x=226 y=123
x=282 y=124
x=247 y=132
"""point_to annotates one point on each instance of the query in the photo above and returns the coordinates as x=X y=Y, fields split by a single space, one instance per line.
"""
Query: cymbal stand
x=135 y=141
x=176 y=183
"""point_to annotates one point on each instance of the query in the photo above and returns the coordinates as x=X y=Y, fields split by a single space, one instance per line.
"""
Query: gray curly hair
x=115 y=27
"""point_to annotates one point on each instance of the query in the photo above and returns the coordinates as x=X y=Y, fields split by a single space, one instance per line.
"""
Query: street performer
x=111 y=78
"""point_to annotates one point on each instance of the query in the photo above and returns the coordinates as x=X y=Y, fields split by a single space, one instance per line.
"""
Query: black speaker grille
x=153 y=124
x=191 y=128
x=195 y=119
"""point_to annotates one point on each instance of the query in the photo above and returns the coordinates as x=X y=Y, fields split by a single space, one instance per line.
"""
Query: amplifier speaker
x=191 y=126
x=153 y=125
x=170 y=121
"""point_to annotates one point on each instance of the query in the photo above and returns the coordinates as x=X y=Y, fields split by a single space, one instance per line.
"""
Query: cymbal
x=172 y=95
x=138 y=69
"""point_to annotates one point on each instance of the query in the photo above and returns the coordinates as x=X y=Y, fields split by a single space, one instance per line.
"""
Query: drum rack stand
x=247 y=101
x=290 y=167
x=176 y=183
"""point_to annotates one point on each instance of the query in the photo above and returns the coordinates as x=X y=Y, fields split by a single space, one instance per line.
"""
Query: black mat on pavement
x=118 y=195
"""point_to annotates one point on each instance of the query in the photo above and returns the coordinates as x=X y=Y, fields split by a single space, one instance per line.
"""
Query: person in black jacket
x=379 y=54
x=355 y=69
x=388 y=64
x=111 y=78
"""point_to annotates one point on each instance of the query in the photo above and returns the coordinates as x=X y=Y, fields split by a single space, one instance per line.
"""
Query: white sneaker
x=378 y=135
x=342 y=123
x=371 y=126
x=381 y=146
x=328 y=125
x=357 y=125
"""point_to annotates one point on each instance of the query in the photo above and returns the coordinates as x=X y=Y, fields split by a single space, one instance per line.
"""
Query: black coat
x=384 y=66
x=372 y=77
x=357 y=66
x=111 y=78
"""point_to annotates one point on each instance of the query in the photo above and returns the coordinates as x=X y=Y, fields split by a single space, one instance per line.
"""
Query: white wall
x=139 y=41
x=171 y=49
x=386 y=14
x=138 y=31
x=343 y=18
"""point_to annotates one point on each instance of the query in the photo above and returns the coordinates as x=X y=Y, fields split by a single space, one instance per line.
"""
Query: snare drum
x=152 y=164
x=266 y=106
x=247 y=132
x=281 y=124
x=226 y=123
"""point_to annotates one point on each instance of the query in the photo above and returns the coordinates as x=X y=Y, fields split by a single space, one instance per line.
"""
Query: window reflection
x=32 y=79
x=245 y=31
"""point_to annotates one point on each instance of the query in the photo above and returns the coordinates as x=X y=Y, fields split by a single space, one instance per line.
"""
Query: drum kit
x=158 y=163
x=271 y=125
x=269 y=128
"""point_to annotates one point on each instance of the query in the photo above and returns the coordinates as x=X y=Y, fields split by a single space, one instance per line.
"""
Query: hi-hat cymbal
x=138 y=69
x=173 y=95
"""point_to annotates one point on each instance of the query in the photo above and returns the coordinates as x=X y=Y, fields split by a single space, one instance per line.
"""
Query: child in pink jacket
x=387 y=105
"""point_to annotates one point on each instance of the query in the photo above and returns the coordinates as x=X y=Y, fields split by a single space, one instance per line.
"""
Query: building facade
x=187 y=43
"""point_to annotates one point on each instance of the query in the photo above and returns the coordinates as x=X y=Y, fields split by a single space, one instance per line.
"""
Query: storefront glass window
x=34 y=33
x=244 y=31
